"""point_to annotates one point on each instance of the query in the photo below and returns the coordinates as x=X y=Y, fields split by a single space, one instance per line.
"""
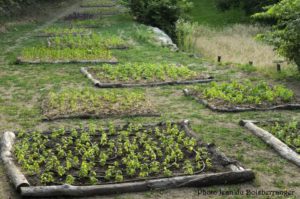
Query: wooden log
x=13 y=172
x=274 y=142
x=174 y=182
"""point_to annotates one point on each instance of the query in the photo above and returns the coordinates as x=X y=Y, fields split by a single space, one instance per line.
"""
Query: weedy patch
x=143 y=74
x=87 y=42
x=244 y=96
x=38 y=55
x=91 y=103
x=98 y=3
x=138 y=157
x=59 y=31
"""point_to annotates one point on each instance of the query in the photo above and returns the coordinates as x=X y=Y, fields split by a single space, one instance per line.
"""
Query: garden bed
x=142 y=74
x=97 y=3
x=283 y=137
x=78 y=16
x=100 y=161
x=88 y=42
x=58 y=32
x=45 y=55
x=91 y=103
x=244 y=96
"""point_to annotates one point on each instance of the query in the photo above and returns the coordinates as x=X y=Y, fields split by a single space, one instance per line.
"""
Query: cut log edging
x=284 y=150
x=14 y=173
x=112 y=61
x=241 y=109
x=236 y=174
x=98 y=84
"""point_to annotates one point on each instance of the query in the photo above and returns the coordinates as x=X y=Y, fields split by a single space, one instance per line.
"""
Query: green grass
x=205 y=12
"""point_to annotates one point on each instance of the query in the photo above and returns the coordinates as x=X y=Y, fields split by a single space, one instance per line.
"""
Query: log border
x=237 y=174
x=22 y=61
x=97 y=83
x=240 y=109
x=280 y=147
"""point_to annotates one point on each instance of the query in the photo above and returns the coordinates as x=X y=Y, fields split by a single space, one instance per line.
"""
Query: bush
x=161 y=14
x=285 y=35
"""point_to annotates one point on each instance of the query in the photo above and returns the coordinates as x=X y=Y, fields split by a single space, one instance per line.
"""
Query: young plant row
x=245 y=92
x=79 y=102
x=143 y=72
x=45 y=54
x=100 y=11
x=98 y=3
x=288 y=132
x=87 y=42
x=57 y=31
x=98 y=155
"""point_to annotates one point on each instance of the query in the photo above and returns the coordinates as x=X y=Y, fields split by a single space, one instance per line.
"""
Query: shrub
x=285 y=35
x=161 y=14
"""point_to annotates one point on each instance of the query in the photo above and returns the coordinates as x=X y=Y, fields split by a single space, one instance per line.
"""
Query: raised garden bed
x=243 y=96
x=39 y=55
x=78 y=16
x=100 y=161
x=97 y=3
x=142 y=74
x=56 y=32
x=91 y=103
x=87 y=42
x=284 y=137
x=101 y=11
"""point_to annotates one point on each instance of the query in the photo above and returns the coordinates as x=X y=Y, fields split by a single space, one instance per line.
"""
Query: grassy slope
x=22 y=88
x=205 y=12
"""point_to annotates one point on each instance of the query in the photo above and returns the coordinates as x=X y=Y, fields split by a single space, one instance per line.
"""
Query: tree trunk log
x=15 y=175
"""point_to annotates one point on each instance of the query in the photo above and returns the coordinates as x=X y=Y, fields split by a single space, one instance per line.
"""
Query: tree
x=285 y=35
x=159 y=13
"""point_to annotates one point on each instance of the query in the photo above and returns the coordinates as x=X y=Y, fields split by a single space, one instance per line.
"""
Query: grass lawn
x=205 y=12
x=23 y=87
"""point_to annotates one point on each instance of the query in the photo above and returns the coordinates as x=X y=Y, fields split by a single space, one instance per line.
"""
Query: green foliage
x=74 y=102
x=186 y=35
x=87 y=42
x=146 y=152
x=250 y=7
x=246 y=92
x=142 y=72
x=288 y=132
x=161 y=14
x=100 y=11
x=285 y=35
x=53 y=30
